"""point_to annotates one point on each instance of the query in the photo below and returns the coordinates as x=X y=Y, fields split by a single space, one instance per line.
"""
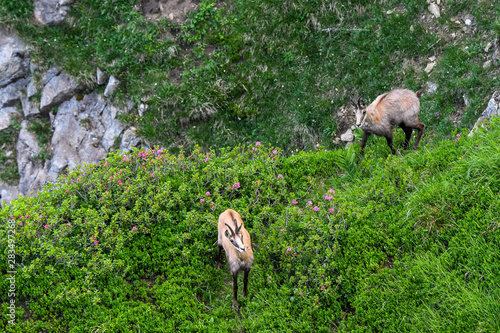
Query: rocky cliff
x=48 y=124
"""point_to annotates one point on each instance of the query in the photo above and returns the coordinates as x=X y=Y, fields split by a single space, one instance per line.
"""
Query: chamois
x=398 y=107
x=238 y=247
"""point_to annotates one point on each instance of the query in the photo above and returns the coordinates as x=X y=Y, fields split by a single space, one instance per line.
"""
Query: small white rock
x=434 y=9
x=347 y=136
x=487 y=64
x=488 y=47
x=432 y=58
x=468 y=22
x=431 y=87
x=429 y=67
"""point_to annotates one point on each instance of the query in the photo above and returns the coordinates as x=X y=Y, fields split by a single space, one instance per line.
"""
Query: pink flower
x=160 y=151
x=134 y=229
x=326 y=150
x=257 y=143
x=322 y=287
x=331 y=210
x=253 y=148
x=236 y=185
x=121 y=171
x=151 y=175
x=275 y=152
x=288 y=250
x=283 y=230
x=340 y=211
x=12 y=216
x=294 y=202
x=331 y=191
x=295 y=253
x=202 y=200
x=300 y=293
x=96 y=242
x=67 y=191
x=46 y=226
x=458 y=135
x=41 y=216
x=309 y=203
x=207 y=159
x=111 y=177
x=21 y=223
x=68 y=224
x=207 y=194
x=280 y=176
x=78 y=179
x=316 y=208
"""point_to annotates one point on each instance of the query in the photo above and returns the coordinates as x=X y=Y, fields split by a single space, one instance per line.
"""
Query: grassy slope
x=411 y=242
x=414 y=247
x=244 y=71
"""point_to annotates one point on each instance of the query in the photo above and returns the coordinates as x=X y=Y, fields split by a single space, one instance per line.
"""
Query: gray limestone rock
x=13 y=55
x=347 y=136
x=6 y=116
x=493 y=109
x=111 y=87
x=51 y=12
x=130 y=140
x=32 y=172
x=59 y=89
x=11 y=94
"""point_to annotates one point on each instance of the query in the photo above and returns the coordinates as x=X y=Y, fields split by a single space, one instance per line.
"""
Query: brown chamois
x=398 y=107
x=238 y=247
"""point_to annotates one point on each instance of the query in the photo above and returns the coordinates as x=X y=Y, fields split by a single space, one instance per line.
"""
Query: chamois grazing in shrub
x=398 y=107
x=235 y=240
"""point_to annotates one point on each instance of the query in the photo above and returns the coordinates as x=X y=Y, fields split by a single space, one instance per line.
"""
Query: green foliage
x=41 y=129
x=8 y=165
x=404 y=243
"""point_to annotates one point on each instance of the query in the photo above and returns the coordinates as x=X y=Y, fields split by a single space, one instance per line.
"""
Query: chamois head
x=359 y=111
x=235 y=236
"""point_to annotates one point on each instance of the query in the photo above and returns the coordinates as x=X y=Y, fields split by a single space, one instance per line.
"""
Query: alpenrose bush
x=87 y=240
x=129 y=244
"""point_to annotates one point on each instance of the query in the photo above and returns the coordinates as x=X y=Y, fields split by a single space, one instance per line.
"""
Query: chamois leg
x=408 y=131
x=366 y=135
x=217 y=259
x=389 y=143
x=420 y=128
x=245 y=283
x=235 y=290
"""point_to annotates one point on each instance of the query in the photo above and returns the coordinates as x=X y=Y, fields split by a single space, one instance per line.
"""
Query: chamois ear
x=361 y=103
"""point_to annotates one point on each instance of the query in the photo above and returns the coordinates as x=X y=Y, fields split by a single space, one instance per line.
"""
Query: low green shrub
x=129 y=244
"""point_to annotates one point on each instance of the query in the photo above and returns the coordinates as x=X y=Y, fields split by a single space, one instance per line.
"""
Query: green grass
x=409 y=242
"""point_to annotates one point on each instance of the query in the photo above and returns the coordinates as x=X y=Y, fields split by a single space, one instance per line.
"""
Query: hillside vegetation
x=395 y=243
x=241 y=71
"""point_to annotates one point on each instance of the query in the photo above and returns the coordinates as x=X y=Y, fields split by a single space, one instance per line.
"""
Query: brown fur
x=398 y=107
x=236 y=261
